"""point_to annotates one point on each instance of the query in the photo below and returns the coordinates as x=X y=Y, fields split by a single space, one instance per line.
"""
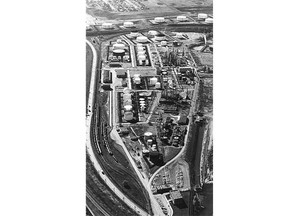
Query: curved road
x=185 y=141
x=95 y=163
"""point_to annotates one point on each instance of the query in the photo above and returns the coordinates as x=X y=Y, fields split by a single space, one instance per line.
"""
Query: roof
x=175 y=195
x=183 y=119
x=121 y=72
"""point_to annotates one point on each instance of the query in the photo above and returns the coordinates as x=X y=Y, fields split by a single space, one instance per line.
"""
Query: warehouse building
x=176 y=197
x=121 y=73
x=107 y=76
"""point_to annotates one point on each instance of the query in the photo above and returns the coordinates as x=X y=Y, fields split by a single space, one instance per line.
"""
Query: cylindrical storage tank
x=137 y=80
x=148 y=134
x=107 y=25
x=181 y=18
x=134 y=34
x=152 y=32
x=118 y=46
x=142 y=39
x=159 y=19
x=163 y=43
x=119 y=52
x=160 y=37
x=153 y=80
x=126 y=97
x=149 y=142
x=128 y=116
x=128 y=24
x=128 y=107
x=202 y=16
x=141 y=53
x=179 y=35
x=127 y=102
x=209 y=20
x=126 y=90
x=157 y=85
x=141 y=57
x=140 y=48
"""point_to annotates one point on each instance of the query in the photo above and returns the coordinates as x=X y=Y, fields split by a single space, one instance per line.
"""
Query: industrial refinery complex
x=149 y=113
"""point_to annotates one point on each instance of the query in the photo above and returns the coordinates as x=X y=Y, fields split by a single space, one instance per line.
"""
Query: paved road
x=192 y=111
x=91 y=154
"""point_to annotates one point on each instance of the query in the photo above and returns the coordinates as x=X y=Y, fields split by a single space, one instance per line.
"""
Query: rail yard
x=149 y=112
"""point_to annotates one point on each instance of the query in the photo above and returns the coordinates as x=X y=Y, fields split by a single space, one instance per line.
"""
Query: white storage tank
x=181 y=18
x=153 y=33
x=126 y=97
x=209 y=20
x=128 y=107
x=128 y=116
x=160 y=37
x=140 y=48
x=107 y=25
x=153 y=80
x=202 y=16
x=137 y=79
x=158 y=85
x=148 y=134
x=141 y=57
x=128 y=24
x=127 y=102
x=149 y=142
x=163 y=43
x=134 y=34
x=118 y=46
x=142 y=39
x=140 y=53
x=126 y=90
x=119 y=51
x=179 y=35
x=159 y=19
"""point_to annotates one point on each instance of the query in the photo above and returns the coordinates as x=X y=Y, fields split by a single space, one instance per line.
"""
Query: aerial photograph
x=149 y=107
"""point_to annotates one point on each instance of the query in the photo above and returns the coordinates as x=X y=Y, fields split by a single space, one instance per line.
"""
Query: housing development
x=149 y=116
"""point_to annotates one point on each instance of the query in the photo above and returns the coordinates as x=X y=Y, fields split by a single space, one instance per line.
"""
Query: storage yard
x=155 y=106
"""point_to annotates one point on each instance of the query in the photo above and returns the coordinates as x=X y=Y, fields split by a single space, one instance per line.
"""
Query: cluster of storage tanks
x=127 y=104
x=141 y=56
x=148 y=137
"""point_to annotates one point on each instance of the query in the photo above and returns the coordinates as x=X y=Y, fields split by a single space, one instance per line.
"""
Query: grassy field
x=89 y=57
x=207 y=193
x=170 y=152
